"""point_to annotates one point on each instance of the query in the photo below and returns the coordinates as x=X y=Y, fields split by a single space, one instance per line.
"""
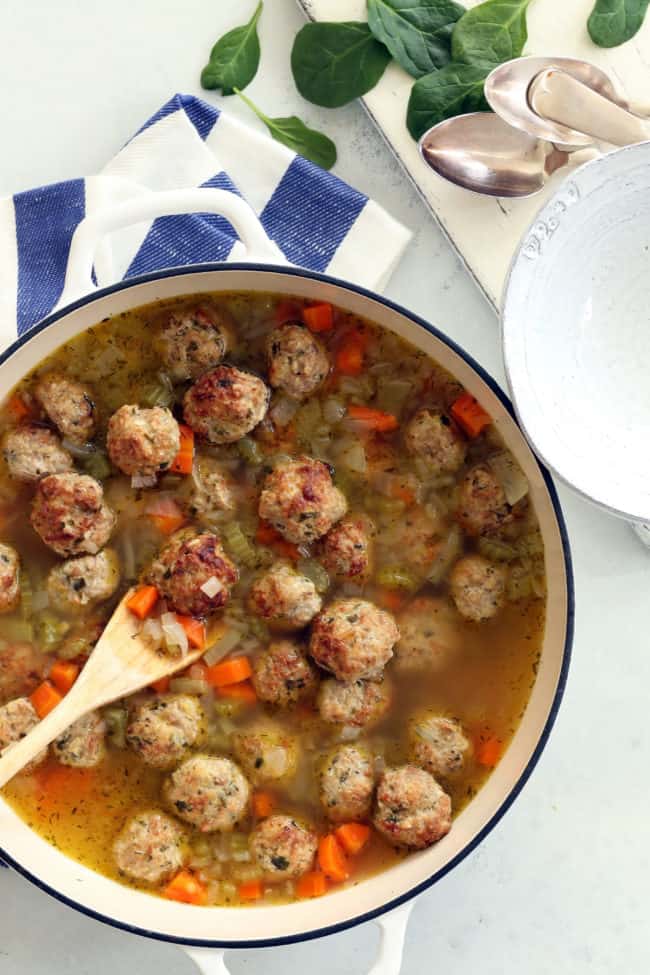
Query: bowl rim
x=509 y=798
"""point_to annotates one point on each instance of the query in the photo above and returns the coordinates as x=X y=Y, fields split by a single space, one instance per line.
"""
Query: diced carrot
x=18 y=407
x=470 y=415
x=318 y=318
x=63 y=674
x=331 y=859
x=312 y=884
x=194 y=629
x=349 y=357
x=166 y=514
x=390 y=599
x=488 y=752
x=161 y=686
x=186 y=888
x=142 y=601
x=232 y=671
x=57 y=783
x=252 y=890
x=352 y=837
x=267 y=535
x=288 y=311
x=45 y=698
x=242 y=692
x=370 y=419
x=263 y=804
x=184 y=459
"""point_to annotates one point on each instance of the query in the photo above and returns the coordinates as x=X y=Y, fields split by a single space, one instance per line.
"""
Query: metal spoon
x=482 y=153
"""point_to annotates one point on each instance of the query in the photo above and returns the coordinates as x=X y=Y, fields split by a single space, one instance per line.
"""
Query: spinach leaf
x=453 y=90
x=293 y=133
x=333 y=63
x=612 y=22
x=416 y=32
x=235 y=58
x=491 y=33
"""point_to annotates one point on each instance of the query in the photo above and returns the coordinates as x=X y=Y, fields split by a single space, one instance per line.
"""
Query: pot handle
x=210 y=961
x=86 y=238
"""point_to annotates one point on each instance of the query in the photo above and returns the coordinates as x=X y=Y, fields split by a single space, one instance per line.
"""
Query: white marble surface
x=561 y=884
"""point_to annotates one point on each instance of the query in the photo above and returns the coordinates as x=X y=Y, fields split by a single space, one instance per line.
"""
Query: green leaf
x=612 y=22
x=292 y=132
x=334 y=63
x=235 y=58
x=491 y=33
x=416 y=32
x=453 y=90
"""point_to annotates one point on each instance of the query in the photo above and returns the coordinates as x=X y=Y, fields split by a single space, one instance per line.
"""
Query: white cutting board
x=486 y=231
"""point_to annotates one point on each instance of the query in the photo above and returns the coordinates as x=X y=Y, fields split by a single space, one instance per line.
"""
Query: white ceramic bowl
x=256 y=926
x=576 y=332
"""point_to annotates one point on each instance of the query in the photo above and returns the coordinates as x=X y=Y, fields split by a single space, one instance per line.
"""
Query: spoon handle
x=557 y=96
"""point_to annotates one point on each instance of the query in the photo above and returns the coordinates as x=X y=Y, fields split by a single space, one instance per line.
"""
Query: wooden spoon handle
x=16 y=756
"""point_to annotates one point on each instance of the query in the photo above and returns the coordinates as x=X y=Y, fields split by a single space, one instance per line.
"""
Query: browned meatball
x=212 y=490
x=283 y=598
x=347 y=782
x=347 y=548
x=69 y=405
x=482 y=506
x=192 y=559
x=358 y=703
x=83 y=745
x=69 y=514
x=412 y=810
x=353 y=638
x=283 y=675
x=17 y=718
x=209 y=792
x=161 y=731
x=33 y=452
x=21 y=670
x=432 y=436
x=478 y=587
x=430 y=635
x=438 y=744
x=142 y=442
x=300 y=500
x=78 y=583
x=150 y=847
x=225 y=404
x=9 y=578
x=283 y=848
x=192 y=341
x=298 y=361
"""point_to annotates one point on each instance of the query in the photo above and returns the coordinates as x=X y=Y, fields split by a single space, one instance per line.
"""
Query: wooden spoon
x=121 y=664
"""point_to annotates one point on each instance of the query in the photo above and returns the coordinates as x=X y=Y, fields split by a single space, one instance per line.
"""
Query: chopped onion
x=380 y=764
x=184 y=685
x=152 y=631
x=349 y=733
x=175 y=635
x=284 y=410
x=352 y=455
x=78 y=449
x=333 y=410
x=143 y=480
x=510 y=476
x=211 y=587
x=223 y=646
x=275 y=762
x=241 y=856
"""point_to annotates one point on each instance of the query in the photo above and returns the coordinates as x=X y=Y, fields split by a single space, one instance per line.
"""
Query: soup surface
x=351 y=519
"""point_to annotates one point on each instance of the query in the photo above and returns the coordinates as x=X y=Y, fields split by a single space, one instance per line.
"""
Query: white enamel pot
x=386 y=898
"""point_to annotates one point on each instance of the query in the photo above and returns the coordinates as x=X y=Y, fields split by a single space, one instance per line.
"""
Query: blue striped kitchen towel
x=317 y=220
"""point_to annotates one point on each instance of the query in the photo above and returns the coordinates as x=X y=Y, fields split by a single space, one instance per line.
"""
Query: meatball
x=353 y=638
x=142 y=442
x=412 y=810
x=162 y=730
x=478 y=587
x=17 y=718
x=21 y=670
x=298 y=361
x=267 y=753
x=283 y=848
x=78 y=583
x=193 y=341
x=482 y=506
x=284 y=599
x=187 y=562
x=209 y=792
x=212 y=490
x=417 y=538
x=300 y=500
x=429 y=635
x=347 y=782
x=438 y=744
x=225 y=404
x=69 y=514
x=83 y=745
x=33 y=452
x=150 y=847
x=69 y=406
x=9 y=578
x=282 y=675
x=433 y=437
x=357 y=703
x=346 y=548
